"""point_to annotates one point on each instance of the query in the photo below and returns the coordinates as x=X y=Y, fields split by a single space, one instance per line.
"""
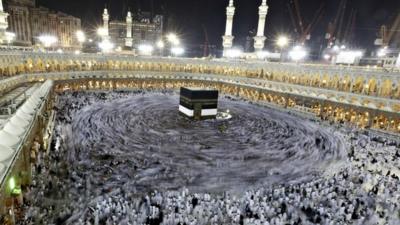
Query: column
x=18 y=19
x=228 y=38
x=106 y=19
x=128 y=39
x=3 y=22
x=259 y=40
x=24 y=19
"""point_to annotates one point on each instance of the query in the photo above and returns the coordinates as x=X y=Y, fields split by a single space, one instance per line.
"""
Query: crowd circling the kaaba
x=366 y=190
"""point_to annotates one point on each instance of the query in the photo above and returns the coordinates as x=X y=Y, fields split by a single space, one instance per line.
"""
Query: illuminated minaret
x=106 y=19
x=228 y=38
x=128 y=39
x=3 y=22
x=259 y=40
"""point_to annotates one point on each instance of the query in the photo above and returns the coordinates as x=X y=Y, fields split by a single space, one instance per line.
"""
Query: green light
x=11 y=183
x=16 y=191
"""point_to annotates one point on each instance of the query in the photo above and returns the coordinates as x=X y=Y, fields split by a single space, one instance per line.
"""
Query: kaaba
x=198 y=104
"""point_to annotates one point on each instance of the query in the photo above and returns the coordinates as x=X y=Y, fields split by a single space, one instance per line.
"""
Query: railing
x=18 y=128
x=371 y=102
x=373 y=82
x=266 y=66
x=12 y=82
x=314 y=92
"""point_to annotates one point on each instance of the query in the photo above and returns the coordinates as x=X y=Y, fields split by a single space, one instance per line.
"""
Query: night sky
x=188 y=17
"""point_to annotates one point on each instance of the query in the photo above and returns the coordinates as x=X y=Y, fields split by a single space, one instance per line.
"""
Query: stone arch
x=386 y=88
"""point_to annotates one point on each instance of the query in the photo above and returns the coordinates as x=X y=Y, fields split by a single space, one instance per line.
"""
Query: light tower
x=228 y=38
x=128 y=39
x=3 y=22
x=259 y=40
x=106 y=19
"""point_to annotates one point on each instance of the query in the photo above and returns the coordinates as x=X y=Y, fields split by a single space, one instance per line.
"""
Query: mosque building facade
x=140 y=28
x=28 y=22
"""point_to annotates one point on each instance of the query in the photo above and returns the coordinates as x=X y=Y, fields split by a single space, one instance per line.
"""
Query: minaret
x=128 y=39
x=228 y=38
x=3 y=22
x=106 y=19
x=259 y=40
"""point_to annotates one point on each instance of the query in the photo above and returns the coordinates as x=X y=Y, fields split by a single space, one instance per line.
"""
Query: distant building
x=143 y=29
x=3 y=23
x=29 y=22
x=18 y=20
x=59 y=24
x=28 y=3
x=117 y=31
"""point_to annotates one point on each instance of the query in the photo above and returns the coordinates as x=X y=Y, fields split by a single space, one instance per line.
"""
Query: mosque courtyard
x=130 y=158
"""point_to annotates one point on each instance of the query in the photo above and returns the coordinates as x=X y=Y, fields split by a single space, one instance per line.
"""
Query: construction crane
x=206 y=50
x=349 y=32
x=387 y=35
x=302 y=30
x=334 y=32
